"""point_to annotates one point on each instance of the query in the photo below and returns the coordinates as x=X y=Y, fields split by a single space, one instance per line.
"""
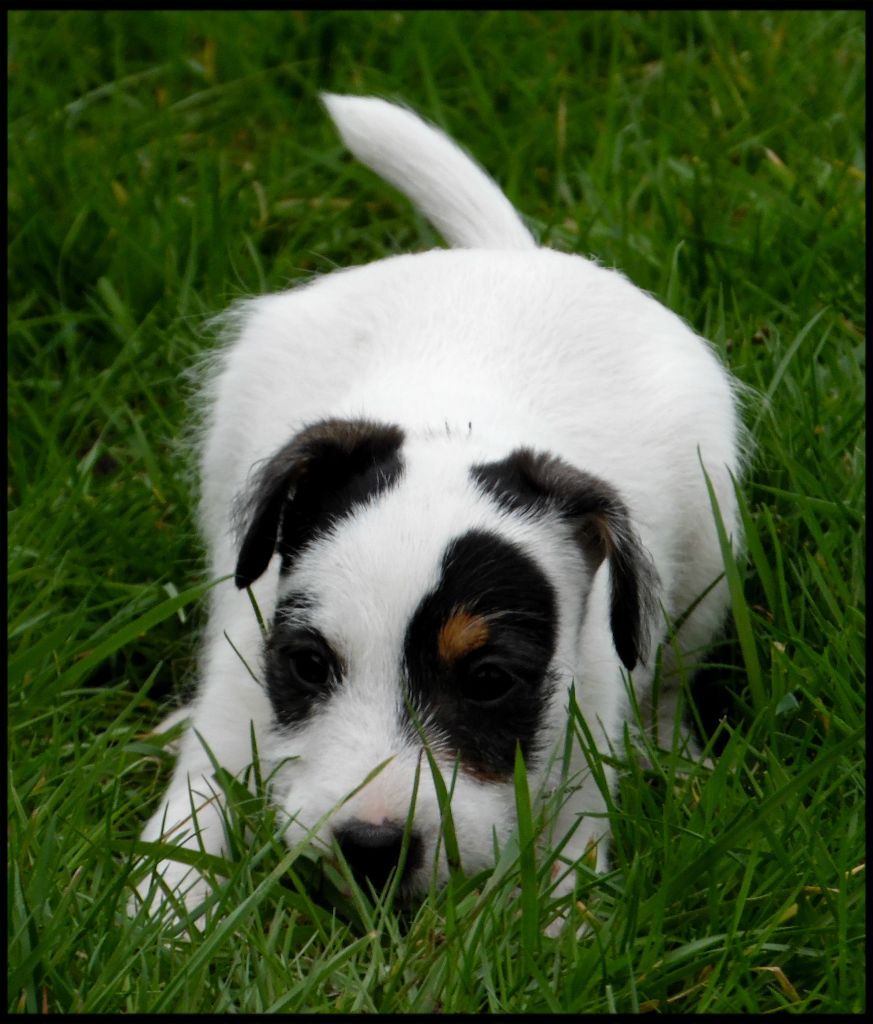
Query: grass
x=162 y=164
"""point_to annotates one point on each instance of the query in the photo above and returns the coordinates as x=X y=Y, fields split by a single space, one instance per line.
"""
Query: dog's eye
x=487 y=683
x=310 y=664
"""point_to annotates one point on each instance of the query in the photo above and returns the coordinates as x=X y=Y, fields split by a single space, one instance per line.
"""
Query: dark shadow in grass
x=715 y=690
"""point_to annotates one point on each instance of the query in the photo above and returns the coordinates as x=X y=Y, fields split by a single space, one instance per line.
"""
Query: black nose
x=373 y=851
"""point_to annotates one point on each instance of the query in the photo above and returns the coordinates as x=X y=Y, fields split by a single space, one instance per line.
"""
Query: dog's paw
x=577 y=916
x=178 y=716
x=190 y=820
x=173 y=891
x=573 y=913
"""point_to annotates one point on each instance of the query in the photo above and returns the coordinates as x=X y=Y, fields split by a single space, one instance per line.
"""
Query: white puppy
x=460 y=484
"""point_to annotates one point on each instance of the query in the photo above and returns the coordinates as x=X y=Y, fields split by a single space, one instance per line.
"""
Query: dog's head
x=427 y=597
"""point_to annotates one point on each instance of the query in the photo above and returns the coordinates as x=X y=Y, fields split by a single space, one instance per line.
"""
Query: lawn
x=163 y=164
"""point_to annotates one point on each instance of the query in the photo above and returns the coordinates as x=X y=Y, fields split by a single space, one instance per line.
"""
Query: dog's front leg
x=190 y=817
x=230 y=709
x=580 y=832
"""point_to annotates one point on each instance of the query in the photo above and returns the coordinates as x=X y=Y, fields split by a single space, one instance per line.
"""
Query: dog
x=465 y=488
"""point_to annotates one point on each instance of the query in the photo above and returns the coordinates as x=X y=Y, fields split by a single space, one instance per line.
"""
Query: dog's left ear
x=533 y=481
x=321 y=475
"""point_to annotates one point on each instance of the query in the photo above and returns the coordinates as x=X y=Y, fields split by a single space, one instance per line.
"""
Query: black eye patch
x=477 y=652
x=301 y=670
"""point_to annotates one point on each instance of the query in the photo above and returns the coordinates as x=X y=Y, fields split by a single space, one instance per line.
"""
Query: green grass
x=163 y=164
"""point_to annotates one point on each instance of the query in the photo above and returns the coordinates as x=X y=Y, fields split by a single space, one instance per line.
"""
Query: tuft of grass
x=168 y=163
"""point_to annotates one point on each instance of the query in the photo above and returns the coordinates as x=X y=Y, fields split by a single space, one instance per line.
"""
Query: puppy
x=463 y=486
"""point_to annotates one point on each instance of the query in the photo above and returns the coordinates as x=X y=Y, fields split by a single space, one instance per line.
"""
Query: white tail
x=461 y=201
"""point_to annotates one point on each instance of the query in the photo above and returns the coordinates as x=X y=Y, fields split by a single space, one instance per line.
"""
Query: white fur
x=473 y=352
x=445 y=183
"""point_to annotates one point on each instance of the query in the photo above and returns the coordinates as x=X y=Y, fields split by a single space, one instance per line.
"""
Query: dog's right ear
x=322 y=474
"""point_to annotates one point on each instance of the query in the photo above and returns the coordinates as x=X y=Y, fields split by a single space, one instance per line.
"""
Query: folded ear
x=531 y=481
x=321 y=475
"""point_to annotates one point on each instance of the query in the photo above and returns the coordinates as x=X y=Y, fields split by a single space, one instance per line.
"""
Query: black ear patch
x=321 y=475
x=530 y=481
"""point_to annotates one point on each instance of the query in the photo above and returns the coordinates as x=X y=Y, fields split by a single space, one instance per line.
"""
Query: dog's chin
x=408 y=896
x=412 y=891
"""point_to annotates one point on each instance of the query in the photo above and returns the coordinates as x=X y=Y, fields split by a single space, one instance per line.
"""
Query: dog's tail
x=462 y=202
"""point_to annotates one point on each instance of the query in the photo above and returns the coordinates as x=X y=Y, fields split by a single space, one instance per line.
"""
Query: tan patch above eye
x=460 y=634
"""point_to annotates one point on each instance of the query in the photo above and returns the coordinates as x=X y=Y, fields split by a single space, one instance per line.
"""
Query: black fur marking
x=320 y=476
x=292 y=654
x=529 y=481
x=493 y=579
